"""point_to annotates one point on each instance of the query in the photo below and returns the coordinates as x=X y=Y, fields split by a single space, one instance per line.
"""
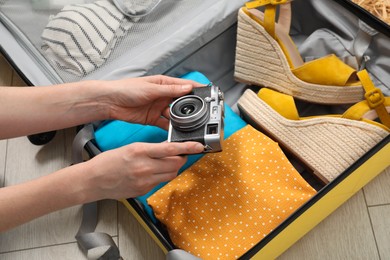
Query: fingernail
x=186 y=87
x=199 y=147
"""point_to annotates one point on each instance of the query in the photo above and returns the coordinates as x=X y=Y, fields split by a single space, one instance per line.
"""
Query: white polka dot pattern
x=227 y=202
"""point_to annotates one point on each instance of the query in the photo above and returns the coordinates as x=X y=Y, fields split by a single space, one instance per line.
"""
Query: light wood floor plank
x=62 y=252
x=17 y=80
x=345 y=234
x=380 y=217
x=5 y=72
x=57 y=228
x=377 y=192
x=26 y=162
x=134 y=242
x=3 y=152
x=8 y=76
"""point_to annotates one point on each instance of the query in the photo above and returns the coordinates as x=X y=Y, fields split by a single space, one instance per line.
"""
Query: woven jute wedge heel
x=326 y=145
x=261 y=61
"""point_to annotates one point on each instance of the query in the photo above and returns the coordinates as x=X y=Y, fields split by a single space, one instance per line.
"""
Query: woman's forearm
x=64 y=188
x=126 y=172
x=29 y=110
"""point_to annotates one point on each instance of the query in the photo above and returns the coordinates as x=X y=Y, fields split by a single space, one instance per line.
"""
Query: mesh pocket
x=90 y=39
x=136 y=8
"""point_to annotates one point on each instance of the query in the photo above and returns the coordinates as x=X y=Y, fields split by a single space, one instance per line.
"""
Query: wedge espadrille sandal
x=267 y=56
x=325 y=144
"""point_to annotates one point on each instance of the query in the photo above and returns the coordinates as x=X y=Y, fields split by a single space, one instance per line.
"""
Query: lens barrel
x=188 y=113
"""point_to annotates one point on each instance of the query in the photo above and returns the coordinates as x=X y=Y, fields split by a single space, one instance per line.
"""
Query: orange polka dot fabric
x=227 y=202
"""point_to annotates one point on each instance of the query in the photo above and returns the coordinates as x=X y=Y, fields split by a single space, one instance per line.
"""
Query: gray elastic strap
x=94 y=245
x=85 y=135
x=362 y=41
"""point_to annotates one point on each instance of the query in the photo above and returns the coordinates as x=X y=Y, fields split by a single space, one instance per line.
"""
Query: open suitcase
x=206 y=43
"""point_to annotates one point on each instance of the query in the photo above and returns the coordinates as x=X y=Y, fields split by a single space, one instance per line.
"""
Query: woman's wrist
x=77 y=185
x=94 y=97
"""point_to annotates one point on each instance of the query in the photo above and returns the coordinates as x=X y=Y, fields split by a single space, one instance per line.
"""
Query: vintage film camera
x=198 y=117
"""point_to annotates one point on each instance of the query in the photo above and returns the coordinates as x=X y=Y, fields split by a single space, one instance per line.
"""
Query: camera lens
x=187 y=109
x=188 y=113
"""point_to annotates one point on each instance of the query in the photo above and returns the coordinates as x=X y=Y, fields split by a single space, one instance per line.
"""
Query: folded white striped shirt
x=80 y=38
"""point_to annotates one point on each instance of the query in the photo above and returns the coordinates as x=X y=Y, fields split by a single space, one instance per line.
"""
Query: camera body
x=198 y=116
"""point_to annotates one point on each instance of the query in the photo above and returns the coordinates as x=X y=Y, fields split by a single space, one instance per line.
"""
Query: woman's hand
x=145 y=100
x=126 y=172
x=133 y=170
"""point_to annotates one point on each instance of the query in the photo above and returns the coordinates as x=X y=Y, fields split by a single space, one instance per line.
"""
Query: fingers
x=172 y=87
x=167 y=165
x=166 y=80
x=162 y=122
x=165 y=113
x=173 y=91
x=133 y=170
x=164 y=177
x=172 y=149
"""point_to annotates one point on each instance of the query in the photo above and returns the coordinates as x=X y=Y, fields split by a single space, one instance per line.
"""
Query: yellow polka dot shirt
x=227 y=202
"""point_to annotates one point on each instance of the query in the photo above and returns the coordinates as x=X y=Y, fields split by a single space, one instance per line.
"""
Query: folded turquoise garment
x=112 y=134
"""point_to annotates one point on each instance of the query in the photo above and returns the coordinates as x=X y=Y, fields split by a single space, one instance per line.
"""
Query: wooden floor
x=360 y=229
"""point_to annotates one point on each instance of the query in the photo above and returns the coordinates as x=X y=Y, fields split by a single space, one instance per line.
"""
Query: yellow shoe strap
x=374 y=97
x=258 y=3
x=359 y=110
x=269 y=20
x=318 y=71
x=269 y=13
x=281 y=103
